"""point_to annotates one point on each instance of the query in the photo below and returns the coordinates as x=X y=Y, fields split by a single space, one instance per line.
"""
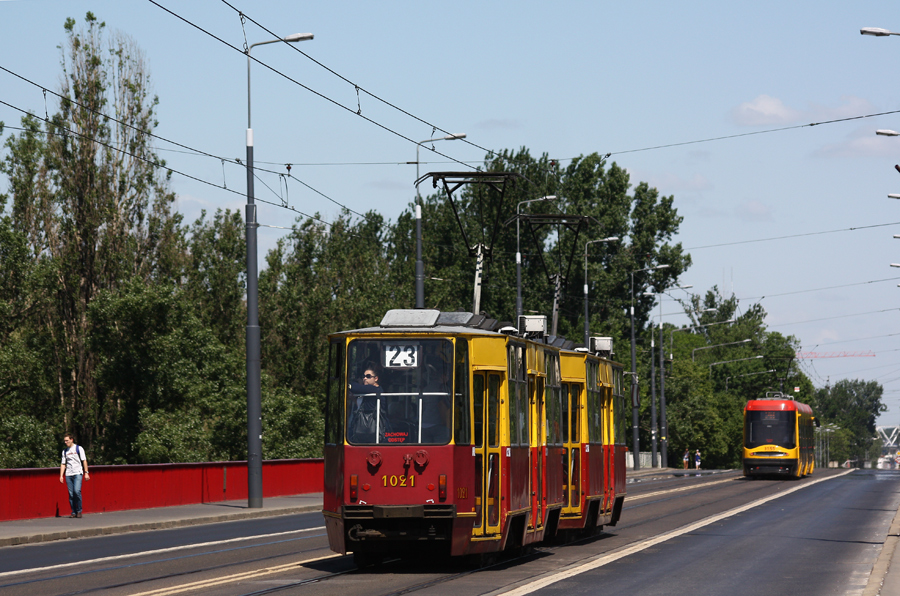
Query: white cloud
x=754 y=211
x=764 y=110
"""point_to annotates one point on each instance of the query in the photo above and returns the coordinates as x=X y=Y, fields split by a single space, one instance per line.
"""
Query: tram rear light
x=442 y=487
x=354 y=487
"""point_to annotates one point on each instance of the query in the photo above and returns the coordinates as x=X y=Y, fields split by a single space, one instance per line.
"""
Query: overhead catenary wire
x=161 y=166
x=355 y=85
x=301 y=85
x=189 y=150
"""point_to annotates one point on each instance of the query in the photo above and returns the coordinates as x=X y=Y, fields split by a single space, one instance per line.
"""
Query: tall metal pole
x=587 y=314
x=635 y=399
x=663 y=430
x=420 y=266
x=519 y=311
x=636 y=440
x=254 y=401
x=653 y=460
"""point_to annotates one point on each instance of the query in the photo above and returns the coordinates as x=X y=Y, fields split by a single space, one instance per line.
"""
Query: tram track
x=260 y=574
x=168 y=560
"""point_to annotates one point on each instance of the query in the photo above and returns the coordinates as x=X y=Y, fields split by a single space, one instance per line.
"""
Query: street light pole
x=587 y=317
x=519 y=311
x=254 y=400
x=420 y=266
x=636 y=440
x=663 y=444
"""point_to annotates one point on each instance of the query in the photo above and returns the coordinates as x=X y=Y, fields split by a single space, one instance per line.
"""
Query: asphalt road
x=717 y=534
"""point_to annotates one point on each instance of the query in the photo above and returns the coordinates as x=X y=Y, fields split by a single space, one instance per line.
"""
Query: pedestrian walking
x=687 y=458
x=72 y=470
x=697 y=459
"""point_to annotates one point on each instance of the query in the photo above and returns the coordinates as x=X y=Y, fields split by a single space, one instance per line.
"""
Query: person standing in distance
x=73 y=468
x=697 y=459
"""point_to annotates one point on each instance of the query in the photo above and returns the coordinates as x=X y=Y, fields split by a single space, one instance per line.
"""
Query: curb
x=156 y=525
x=878 y=578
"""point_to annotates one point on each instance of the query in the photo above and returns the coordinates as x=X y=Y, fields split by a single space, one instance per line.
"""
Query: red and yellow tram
x=779 y=437
x=444 y=433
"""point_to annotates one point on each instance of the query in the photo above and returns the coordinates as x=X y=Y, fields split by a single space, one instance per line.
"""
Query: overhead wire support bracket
x=496 y=181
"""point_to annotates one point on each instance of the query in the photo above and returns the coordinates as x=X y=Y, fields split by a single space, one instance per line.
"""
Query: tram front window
x=406 y=397
x=769 y=428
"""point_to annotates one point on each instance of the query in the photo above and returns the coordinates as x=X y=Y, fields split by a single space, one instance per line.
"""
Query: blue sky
x=567 y=79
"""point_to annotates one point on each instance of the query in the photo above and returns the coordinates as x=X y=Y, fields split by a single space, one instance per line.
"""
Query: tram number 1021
x=399 y=481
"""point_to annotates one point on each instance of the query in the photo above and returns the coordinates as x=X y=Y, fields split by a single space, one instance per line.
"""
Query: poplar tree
x=91 y=200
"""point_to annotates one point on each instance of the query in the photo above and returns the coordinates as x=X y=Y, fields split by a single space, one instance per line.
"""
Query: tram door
x=536 y=442
x=571 y=394
x=486 y=418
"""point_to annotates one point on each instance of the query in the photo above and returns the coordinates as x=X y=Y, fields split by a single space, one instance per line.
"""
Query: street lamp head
x=298 y=37
x=876 y=31
x=894 y=196
x=895 y=264
x=886 y=132
x=661 y=267
x=453 y=137
x=609 y=239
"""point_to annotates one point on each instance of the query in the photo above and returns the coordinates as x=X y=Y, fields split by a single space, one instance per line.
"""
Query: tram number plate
x=399 y=481
x=401 y=356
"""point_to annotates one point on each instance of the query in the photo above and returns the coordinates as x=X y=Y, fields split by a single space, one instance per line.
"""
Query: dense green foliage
x=126 y=326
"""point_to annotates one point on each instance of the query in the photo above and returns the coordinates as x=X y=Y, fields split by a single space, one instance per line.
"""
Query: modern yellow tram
x=445 y=432
x=779 y=437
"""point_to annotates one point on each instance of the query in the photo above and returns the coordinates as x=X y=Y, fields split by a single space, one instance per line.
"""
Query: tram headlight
x=442 y=487
x=354 y=487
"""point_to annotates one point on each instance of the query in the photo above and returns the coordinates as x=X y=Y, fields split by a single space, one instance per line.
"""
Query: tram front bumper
x=770 y=466
x=397 y=523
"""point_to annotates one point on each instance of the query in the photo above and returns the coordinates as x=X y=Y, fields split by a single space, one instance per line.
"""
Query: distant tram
x=779 y=437
x=444 y=433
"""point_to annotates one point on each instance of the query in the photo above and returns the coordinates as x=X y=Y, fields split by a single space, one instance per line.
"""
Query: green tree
x=643 y=220
x=854 y=406
x=179 y=390
x=320 y=280
x=95 y=209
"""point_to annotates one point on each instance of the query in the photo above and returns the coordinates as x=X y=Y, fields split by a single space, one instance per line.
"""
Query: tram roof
x=777 y=404
x=407 y=321
x=432 y=321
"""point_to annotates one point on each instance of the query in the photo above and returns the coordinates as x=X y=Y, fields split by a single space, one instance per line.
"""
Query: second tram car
x=443 y=433
x=779 y=437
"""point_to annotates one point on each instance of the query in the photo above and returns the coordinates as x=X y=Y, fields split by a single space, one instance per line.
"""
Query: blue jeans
x=74 y=485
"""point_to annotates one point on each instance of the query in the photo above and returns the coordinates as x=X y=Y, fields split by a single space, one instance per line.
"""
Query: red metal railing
x=32 y=493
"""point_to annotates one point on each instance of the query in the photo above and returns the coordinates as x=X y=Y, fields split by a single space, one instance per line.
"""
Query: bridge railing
x=36 y=492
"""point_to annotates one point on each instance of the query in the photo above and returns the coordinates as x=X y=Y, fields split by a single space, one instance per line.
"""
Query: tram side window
x=461 y=423
x=619 y=406
x=334 y=415
x=519 y=394
x=551 y=397
x=494 y=410
x=512 y=388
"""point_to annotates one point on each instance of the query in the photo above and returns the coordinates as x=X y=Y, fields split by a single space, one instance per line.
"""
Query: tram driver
x=363 y=405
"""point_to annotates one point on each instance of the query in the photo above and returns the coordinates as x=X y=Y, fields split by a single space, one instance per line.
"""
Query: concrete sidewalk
x=27 y=531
